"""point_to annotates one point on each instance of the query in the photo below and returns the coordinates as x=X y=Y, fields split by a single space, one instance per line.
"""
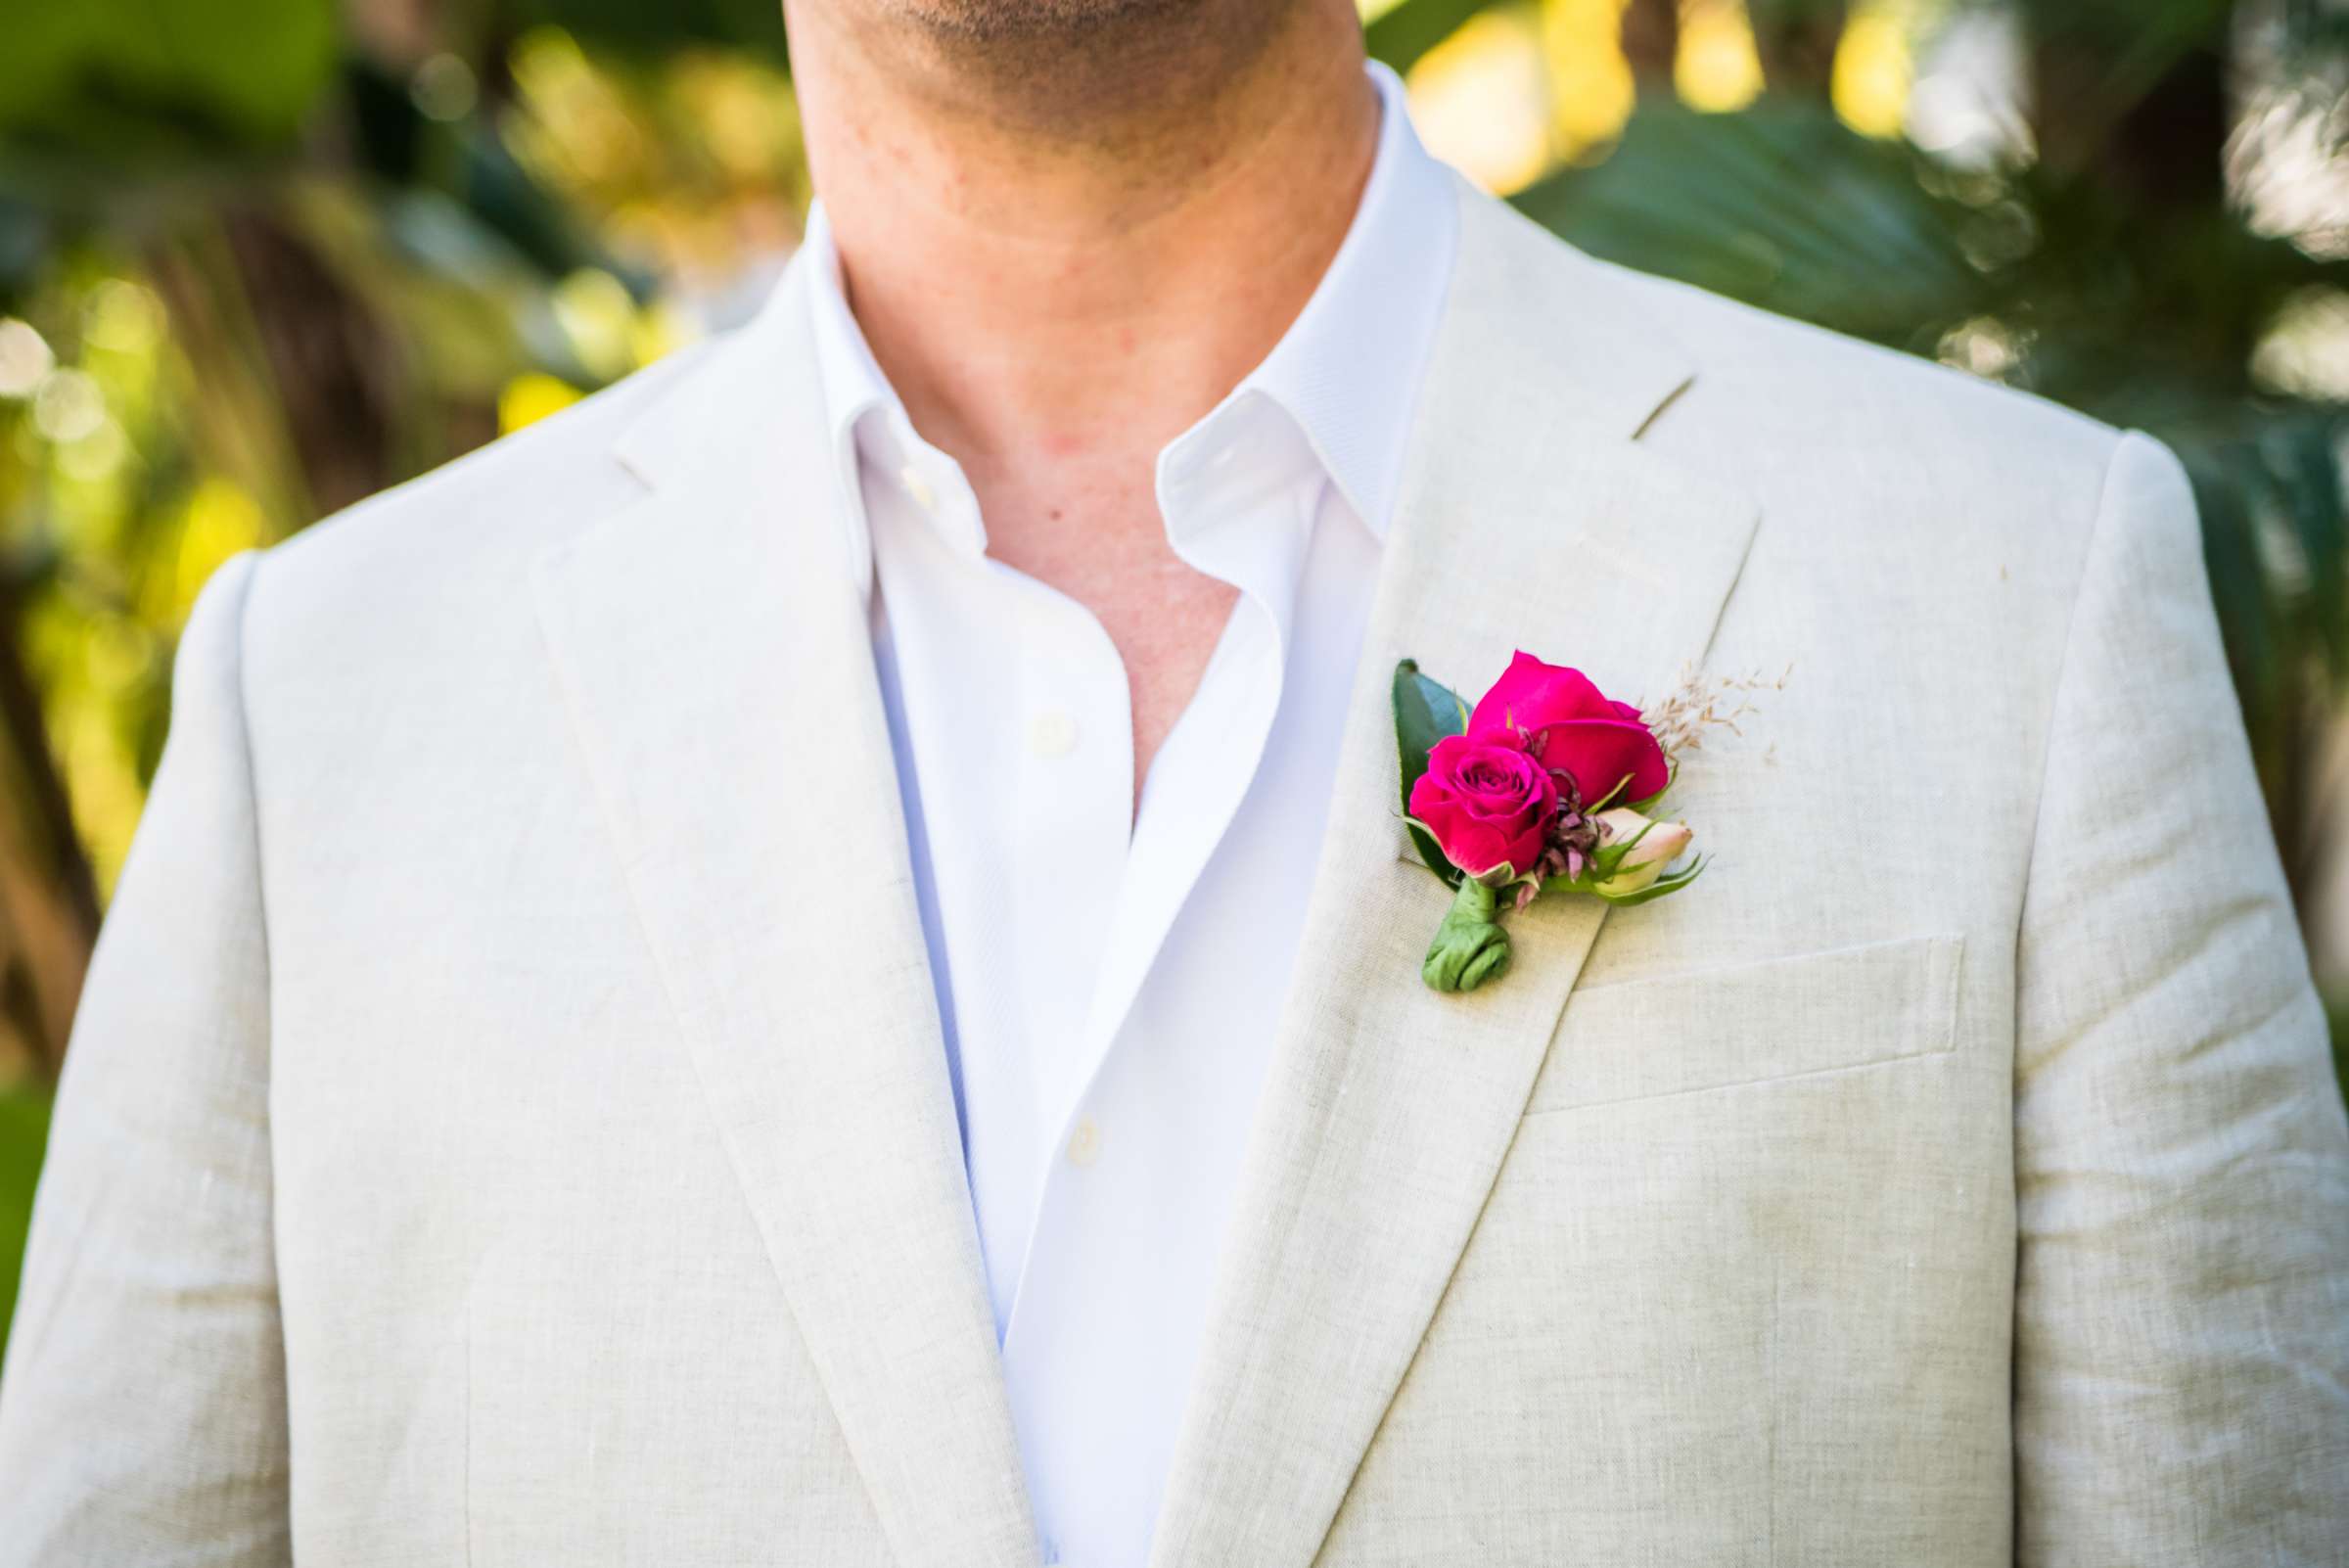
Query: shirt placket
x=1017 y=712
x=1237 y=511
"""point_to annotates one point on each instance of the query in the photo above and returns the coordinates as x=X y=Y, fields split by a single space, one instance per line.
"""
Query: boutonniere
x=1545 y=787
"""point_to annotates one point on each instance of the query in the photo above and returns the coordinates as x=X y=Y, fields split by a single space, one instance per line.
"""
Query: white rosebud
x=1659 y=848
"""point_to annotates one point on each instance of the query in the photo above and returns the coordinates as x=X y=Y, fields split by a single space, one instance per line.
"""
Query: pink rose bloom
x=1488 y=802
x=1567 y=725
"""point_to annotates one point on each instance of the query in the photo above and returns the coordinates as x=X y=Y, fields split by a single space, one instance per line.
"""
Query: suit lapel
x=712 y=643
x=1533 y=520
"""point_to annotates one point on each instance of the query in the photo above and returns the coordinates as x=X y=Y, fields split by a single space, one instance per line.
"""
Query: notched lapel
x=713 y=648
x=1531 y=520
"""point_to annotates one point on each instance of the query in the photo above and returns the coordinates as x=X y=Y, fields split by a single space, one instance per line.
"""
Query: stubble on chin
x=1003 y=23
x=1107 y=72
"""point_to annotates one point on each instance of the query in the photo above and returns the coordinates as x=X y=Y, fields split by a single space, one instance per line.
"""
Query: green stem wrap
x=1470 y=947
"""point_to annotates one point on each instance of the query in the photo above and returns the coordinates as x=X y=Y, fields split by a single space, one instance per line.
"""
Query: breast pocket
x=1752 y=1023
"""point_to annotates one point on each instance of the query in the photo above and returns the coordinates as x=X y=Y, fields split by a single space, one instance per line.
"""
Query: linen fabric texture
x=508 y=1121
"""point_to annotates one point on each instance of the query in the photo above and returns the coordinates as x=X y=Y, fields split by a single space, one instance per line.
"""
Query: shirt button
x=1052 y=734
x=1084 y=1143
x=918 y=488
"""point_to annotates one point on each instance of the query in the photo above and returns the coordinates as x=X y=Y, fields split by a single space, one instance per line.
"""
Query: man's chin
x=1014 y=20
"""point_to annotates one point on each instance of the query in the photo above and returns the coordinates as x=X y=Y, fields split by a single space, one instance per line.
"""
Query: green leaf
x=1781 y=206
x=1606 y=863
x=1672 y=776
x=1426 y=711
x=1609 y=858
x=1470 y=947
x=1607 y=802
x=1663 y=888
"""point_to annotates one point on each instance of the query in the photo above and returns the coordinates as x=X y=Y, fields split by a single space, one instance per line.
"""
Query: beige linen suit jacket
x=508 y=1126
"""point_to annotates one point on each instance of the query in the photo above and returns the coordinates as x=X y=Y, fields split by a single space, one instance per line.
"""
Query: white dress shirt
x=1109 y=975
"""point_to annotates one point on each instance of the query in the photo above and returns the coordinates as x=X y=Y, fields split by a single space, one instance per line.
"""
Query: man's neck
x=1081 y=269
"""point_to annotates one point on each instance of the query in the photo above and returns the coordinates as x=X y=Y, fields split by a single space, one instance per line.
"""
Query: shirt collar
x=1348 y=370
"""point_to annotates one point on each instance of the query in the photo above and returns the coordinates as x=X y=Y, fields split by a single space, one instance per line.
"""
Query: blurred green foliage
x=24 y=1138
x=119 y=80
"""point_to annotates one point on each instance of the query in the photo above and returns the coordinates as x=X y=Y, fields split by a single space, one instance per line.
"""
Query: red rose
x=1488 y=800
x=1568 y=726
